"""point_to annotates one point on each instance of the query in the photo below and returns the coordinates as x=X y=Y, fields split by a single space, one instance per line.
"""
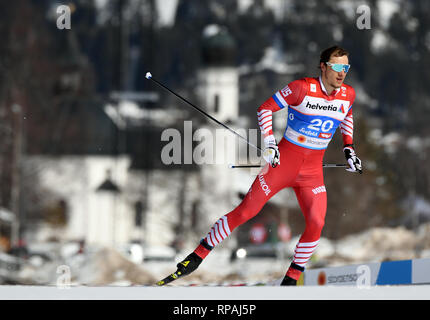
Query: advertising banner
x=401 y=272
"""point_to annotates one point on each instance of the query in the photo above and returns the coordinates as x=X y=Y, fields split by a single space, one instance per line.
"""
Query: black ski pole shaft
x=232 y=166
x=325 y=165
x=149 y=77
x=335 y=165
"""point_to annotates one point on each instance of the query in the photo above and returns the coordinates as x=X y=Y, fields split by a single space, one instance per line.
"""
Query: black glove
x=353 y=161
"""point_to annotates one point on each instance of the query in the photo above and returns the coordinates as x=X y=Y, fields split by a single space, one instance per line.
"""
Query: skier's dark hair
x=334 y=51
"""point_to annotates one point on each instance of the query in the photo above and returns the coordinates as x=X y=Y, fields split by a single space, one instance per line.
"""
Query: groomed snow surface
x=16 y=292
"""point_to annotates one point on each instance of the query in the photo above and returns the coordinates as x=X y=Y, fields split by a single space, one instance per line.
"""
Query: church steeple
x=219 y=47
x=219 y=77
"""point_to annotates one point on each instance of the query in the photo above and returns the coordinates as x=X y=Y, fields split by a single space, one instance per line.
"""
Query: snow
x=417 y=211
x=6 y=215
x=100 y=4
x=389 y=141
x=102 y=266
x=211 y=30
x=380 y=41
x=166 y=12
x=348 y=9
x=272 y=60
x=128 y=113
x=386 y=10
x=243 y=5
x=417 y=144
x=392 y=140
x=216 y=293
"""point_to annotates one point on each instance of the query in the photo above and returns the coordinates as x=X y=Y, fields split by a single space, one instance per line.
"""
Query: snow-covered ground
x=108 y=267
x=216 y=293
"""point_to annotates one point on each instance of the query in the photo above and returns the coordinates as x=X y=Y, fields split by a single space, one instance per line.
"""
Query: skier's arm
x=264 y=114
x=347 y=129
x=347 y=125
x=292 y=94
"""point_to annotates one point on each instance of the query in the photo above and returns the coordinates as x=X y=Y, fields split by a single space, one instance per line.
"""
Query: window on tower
x=216 y=103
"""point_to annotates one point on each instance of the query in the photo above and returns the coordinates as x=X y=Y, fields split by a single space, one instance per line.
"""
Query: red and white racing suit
x=313 y=117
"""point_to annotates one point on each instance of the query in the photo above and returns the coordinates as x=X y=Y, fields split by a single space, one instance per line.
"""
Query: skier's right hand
x=271 y=152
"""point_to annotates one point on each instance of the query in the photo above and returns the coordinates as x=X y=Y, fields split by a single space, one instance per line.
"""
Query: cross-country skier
x=316 y=107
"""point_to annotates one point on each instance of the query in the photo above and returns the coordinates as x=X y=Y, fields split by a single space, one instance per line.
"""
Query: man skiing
x=316 y=107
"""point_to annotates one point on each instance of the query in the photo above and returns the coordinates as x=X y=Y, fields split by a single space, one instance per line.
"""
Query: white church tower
x=219 y=78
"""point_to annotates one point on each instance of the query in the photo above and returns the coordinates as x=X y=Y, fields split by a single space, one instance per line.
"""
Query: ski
x=170 y=278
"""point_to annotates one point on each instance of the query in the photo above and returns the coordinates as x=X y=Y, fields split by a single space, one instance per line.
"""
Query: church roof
x=219 y=47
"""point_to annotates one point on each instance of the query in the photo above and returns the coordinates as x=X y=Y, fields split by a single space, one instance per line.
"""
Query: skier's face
x=333 y=78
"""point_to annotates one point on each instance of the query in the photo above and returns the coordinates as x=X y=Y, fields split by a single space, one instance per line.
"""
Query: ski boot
x=185 y=267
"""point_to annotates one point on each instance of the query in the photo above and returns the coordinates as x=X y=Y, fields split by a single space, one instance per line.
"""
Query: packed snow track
x=411 y=292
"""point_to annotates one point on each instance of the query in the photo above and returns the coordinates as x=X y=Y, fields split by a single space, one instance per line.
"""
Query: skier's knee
x=247 y=214
x=315 y=223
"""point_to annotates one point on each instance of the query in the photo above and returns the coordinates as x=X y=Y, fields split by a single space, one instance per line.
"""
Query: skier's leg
x=267 y=183
x=313 y=203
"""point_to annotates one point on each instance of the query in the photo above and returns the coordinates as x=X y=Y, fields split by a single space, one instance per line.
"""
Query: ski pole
x=325 y=165
x=335 y=165
x=149 y=77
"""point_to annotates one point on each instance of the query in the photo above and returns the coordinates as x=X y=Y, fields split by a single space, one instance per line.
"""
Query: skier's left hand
x=352 y=159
